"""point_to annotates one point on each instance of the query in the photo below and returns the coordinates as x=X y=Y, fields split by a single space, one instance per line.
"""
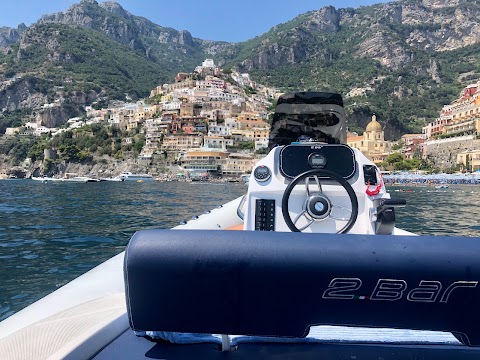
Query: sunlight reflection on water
x=52 y=233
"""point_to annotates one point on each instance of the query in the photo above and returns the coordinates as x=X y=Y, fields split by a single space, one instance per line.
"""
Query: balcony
x=460 y=126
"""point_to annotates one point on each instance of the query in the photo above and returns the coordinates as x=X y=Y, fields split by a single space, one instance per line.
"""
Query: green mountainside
x=401 y=60
x=406 y=58
x=83 y=59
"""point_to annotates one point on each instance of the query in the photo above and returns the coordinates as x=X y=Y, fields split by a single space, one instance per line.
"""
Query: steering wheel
x=317 y=205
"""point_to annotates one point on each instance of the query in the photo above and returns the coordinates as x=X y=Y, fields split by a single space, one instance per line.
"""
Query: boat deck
x=128 y=346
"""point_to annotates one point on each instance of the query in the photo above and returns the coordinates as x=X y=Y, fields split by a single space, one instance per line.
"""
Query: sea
x=50 y=233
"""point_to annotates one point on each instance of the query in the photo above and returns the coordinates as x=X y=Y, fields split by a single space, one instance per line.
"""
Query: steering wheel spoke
x=347 y=209
x=338 y=218
x=299 y=216
x=343 y=208
x=307 y=184
x=317 y=205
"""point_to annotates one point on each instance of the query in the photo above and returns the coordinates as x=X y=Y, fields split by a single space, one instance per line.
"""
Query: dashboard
x=296 y=159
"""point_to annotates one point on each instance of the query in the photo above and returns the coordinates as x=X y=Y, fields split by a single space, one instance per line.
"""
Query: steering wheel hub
x=318 y=206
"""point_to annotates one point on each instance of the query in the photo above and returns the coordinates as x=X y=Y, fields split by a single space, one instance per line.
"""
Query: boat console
x=310 y=181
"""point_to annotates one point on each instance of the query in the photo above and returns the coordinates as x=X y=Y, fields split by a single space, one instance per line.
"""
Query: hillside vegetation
x=402 y=60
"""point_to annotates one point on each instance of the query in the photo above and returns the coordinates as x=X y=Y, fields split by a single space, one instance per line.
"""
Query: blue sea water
x=51 y=233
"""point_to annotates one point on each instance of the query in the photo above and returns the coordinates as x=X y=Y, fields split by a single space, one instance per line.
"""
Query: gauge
x=317 y=161
x=262 y=173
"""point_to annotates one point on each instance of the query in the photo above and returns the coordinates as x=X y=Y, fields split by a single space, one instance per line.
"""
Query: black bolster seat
x=280 y=284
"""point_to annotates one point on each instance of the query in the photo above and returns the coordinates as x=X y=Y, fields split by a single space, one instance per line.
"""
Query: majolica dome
x=374 y=125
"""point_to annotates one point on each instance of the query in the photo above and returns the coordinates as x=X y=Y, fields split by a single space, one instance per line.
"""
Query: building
x=469 y=160
x=461 y=117
x=412 y=145
x=238 y=164
x=372 y=143
x=214 y=142
x=203 y=161
x=182 y=142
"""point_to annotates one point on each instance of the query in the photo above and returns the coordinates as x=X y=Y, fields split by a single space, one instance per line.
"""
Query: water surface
x=51 y=233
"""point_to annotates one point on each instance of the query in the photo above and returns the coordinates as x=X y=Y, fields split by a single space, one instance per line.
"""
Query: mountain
x=9 y=36
x=90 y=51
x=401 y=60
x=174 y=49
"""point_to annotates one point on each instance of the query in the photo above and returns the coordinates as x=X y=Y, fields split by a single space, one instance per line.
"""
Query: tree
x=394 y=158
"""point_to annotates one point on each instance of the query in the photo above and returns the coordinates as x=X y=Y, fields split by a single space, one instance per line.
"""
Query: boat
x=43 y=179
x=80 y=179
x=114 y=179
x=67 y=178
x=128 y=176
x=308 y=264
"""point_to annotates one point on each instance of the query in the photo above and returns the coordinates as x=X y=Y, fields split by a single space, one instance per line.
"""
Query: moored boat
x=128 y=176
x=68 y=177
x=43 y=179
x=114 y=179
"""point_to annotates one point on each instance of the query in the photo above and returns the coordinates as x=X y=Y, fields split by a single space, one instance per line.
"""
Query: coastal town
x=212 y=123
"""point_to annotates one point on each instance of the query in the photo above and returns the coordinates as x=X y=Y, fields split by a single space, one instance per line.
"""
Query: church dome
x=374 y=125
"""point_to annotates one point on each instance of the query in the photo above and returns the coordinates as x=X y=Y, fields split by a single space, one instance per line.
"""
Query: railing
x=452 y=139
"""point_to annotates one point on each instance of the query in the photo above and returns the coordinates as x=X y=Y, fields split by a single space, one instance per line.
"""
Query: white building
x=208 y=63
x=218 y=130
x=214 y=142
x=231 y=123
x=261 y=143
x=171 y=105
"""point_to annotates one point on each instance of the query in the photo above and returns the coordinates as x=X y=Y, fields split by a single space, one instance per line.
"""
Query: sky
x=225 y=20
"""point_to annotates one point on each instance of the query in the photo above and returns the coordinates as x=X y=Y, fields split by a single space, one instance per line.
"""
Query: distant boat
x=43 y=179
x=79 y=179
x=116 y=178
x=128 y=176
x=441 y=187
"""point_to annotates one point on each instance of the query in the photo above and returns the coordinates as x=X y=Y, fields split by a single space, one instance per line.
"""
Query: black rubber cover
x=266 y=283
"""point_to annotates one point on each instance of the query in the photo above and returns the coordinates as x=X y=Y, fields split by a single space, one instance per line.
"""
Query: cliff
x=402 y=60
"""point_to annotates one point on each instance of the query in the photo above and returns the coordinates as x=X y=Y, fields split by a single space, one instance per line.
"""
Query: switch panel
x=370 y=174
x=265 y=215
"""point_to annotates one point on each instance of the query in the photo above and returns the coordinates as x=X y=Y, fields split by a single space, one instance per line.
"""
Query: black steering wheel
x=317 y=205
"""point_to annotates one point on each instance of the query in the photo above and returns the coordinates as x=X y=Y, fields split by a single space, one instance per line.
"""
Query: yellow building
x=217 y=162
x=372 y=143
x=469 y=159
x=250 y=124
x=238 y=164
x=182 y=142
x=203 y=161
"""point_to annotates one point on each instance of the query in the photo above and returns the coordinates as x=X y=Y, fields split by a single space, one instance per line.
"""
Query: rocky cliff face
x=55 y=116
x=120 y=25
x=9 y=36
x=389 y=33
x=20 y=95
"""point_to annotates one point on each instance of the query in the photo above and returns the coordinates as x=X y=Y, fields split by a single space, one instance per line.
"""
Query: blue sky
x=210 y=20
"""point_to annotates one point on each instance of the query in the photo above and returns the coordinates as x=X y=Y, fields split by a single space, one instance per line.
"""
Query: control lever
x=383 y=203
x=384 y=215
